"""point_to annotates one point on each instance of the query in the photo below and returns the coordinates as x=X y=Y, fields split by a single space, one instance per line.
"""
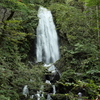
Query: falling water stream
x=25 y=91
x=47 y=48
x=54 y=89
x=49 y=97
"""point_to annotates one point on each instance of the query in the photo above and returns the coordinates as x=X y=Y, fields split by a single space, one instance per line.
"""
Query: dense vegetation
x=77 y=23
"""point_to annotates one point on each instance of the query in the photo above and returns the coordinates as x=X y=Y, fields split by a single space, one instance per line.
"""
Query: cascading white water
x=49 y=97
x=47 y=49
x=32 y=96
x=48 y=82
x=38 y=95
x=25 y=91
x=54 y=89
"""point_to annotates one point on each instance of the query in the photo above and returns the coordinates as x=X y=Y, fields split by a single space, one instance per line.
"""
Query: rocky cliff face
x=4 y=13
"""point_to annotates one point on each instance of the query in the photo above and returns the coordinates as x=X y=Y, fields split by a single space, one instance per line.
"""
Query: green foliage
x=92 y=2
x=17 y=29
x=76 y=26
x=17 y=6
x=67 y=75
x=58 y=97
x=71 y=23
x=15 y=74
x=90 y=89
x=2 y=97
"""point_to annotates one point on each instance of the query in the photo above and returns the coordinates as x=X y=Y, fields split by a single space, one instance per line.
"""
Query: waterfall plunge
x=47 y=49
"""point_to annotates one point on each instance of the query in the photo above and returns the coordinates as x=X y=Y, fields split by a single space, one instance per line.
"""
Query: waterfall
x=47 y=49
x=38 y=95
x=32 y=96
x=51 y=68
x=54 y=89
x=48 y=82
x=25 y=91
x=49 y=97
